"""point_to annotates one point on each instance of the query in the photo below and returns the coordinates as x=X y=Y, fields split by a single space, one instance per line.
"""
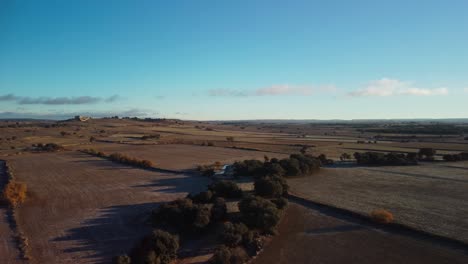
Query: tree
x=259 y=213
x=158 y=247
x=345 y=156
x=232 y=234
x=226 y=189
x=219 y=210
x=271 y=187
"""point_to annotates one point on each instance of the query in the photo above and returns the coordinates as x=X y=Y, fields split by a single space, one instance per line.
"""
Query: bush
x=382 y=216
x=14 y=193
x=123 y=259
x=219 y=210
x=123 y=159
x=226 y=189
x=259 y=213
x=271 y=187
x=232 y=234
x=158 y=247
x=147 y=137
x=49 y=147
x=225 y=255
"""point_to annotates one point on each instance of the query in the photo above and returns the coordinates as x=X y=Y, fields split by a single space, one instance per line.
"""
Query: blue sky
x=234 y=59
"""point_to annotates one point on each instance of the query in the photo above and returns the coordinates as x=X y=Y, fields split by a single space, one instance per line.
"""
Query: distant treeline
x=435 y=129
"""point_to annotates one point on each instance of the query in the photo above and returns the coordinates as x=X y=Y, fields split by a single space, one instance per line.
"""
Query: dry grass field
x=430 y=197
x=310 y=236
x=184 y=157
x=83 y=209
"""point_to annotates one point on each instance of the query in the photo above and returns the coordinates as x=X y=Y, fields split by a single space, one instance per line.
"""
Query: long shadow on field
x=334 y=230
x=113 y=233
x=418 y=175
x=182 y=183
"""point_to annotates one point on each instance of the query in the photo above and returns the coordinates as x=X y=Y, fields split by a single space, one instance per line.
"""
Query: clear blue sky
x=234 y=59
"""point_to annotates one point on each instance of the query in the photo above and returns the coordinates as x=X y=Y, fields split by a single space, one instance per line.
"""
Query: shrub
x=271 y=186
x=123 y=259
x=49 y=147
x=123 y=159
x=154 y=136
x=206 y=170
x=225 y=255
x=259 y=213
x=226 y=189
x=15 y=193
x=382 y=216
x=219 y=210
x=158 y=247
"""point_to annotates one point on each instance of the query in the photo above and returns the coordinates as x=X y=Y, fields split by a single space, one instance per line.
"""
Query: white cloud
x=275 y=90
x=391 y=87
x=226 y=92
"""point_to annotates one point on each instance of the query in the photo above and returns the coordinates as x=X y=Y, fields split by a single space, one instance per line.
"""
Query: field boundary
x=22 y=242
x=362 y=219
x=152 y=168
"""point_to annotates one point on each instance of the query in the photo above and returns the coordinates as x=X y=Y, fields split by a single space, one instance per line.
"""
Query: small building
x=227 y=172
x=82 y=118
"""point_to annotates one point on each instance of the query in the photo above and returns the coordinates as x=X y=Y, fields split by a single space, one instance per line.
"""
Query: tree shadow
x=182 y=183
x=405 y=174
x=115 y=231
x=334 y=230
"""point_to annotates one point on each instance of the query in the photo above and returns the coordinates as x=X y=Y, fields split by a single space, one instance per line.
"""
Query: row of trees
x=456 y=157
x=295 y=165
x=121 y=158
x=49 y=147
x=389 y=159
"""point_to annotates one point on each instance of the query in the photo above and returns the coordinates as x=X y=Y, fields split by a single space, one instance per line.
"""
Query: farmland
x=82 y=208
